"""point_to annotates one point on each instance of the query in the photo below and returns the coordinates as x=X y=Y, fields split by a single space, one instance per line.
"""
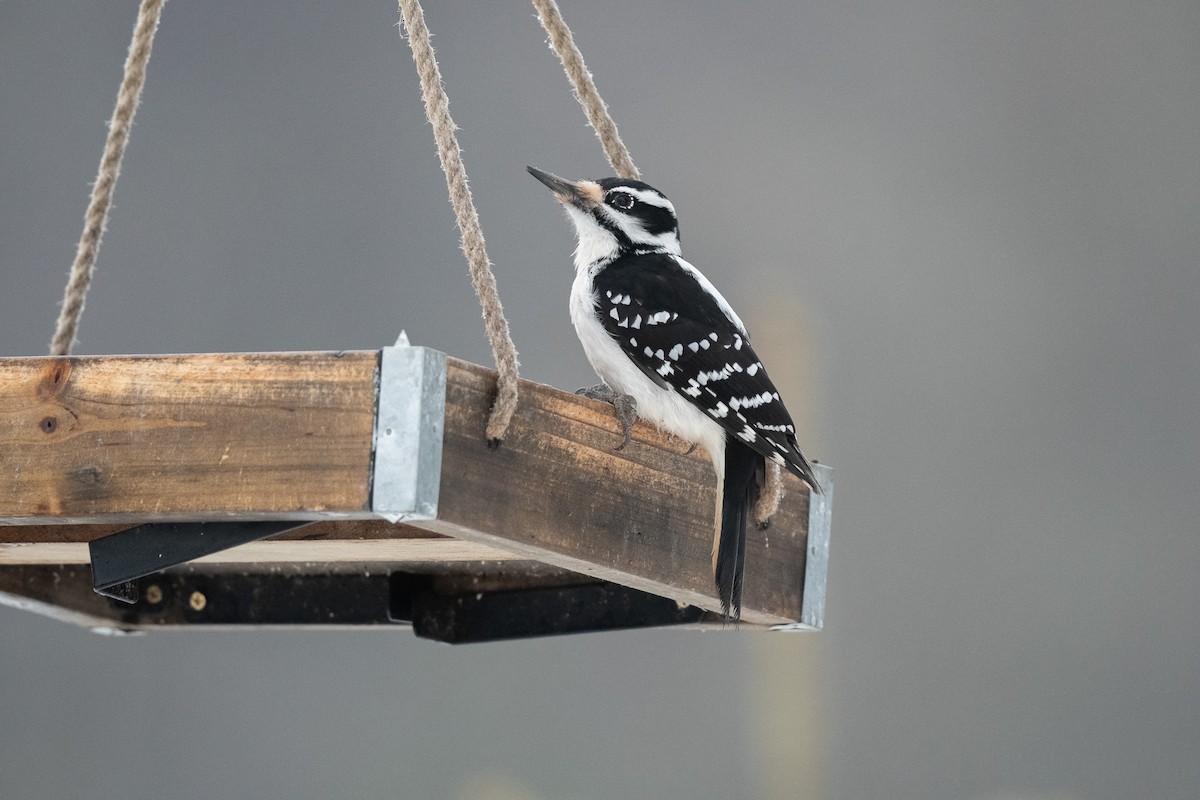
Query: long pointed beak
x=582 y=194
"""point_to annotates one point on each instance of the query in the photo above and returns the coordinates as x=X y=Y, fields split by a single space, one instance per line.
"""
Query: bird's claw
x=623 y=404
x=601 y=391
x=626 y=408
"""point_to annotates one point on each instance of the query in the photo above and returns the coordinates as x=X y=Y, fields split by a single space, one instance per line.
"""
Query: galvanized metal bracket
x=816 y=566
x=409 y=425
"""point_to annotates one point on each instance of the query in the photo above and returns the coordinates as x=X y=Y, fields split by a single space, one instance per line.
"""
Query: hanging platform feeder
x=359 y=489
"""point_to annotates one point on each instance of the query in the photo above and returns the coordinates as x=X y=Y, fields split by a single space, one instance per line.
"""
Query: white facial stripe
x=668 y=242
x=633 y=230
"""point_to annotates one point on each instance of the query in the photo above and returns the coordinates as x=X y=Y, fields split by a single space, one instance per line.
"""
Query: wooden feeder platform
x=359 y=490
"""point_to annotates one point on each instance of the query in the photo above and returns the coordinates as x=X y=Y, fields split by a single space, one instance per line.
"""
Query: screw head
x=197 y=601
x=154 y=594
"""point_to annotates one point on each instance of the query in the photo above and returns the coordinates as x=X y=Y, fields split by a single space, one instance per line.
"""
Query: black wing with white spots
x=679 y=336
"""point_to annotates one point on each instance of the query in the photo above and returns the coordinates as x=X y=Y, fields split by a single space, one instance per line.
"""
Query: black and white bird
x=670 y=349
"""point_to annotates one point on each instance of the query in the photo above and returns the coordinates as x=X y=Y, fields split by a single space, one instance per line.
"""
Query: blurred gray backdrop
x=964 y=235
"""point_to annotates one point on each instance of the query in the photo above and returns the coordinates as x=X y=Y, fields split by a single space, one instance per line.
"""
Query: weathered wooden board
x=196 y=437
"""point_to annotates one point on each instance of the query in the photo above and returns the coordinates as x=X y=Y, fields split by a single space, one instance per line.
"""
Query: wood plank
x=557 y=492
x=195 y=437
x=324 y=530
x=389 y=552
x=369 y=541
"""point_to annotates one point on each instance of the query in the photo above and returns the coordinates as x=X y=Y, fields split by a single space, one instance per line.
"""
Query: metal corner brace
x=816 y=565
x=409 y=425
x=816 y=568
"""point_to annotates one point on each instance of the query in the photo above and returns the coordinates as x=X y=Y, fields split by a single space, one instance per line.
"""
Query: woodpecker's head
x=615 y=217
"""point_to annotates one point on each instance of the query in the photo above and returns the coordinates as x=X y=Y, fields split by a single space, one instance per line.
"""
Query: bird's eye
x=622 y=201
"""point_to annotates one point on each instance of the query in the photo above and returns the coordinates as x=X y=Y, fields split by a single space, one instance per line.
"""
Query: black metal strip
x=459 y=618
x=122 y=557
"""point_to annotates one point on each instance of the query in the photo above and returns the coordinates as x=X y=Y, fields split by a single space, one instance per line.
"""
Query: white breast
x=667 y=409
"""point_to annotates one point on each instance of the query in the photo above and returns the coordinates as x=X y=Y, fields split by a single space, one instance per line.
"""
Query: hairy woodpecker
x=670 y=348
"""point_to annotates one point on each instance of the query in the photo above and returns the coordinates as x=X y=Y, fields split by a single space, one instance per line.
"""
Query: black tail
x=744 y=471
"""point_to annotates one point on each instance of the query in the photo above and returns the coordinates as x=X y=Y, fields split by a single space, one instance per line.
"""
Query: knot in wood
x=54 y=378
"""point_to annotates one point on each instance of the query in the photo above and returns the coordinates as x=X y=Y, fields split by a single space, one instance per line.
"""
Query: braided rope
x=95 y=220
x=437 y=108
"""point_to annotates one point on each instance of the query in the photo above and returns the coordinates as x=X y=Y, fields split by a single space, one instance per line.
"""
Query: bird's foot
x=623 y=404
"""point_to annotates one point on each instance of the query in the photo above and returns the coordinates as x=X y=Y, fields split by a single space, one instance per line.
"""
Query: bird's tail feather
x=744 y=473
x=798 y=465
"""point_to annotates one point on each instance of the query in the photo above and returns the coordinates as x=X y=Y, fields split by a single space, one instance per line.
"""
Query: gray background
x=965 y=238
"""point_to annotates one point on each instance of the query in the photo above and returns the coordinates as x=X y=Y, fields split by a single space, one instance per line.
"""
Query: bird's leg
x=623 y=404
